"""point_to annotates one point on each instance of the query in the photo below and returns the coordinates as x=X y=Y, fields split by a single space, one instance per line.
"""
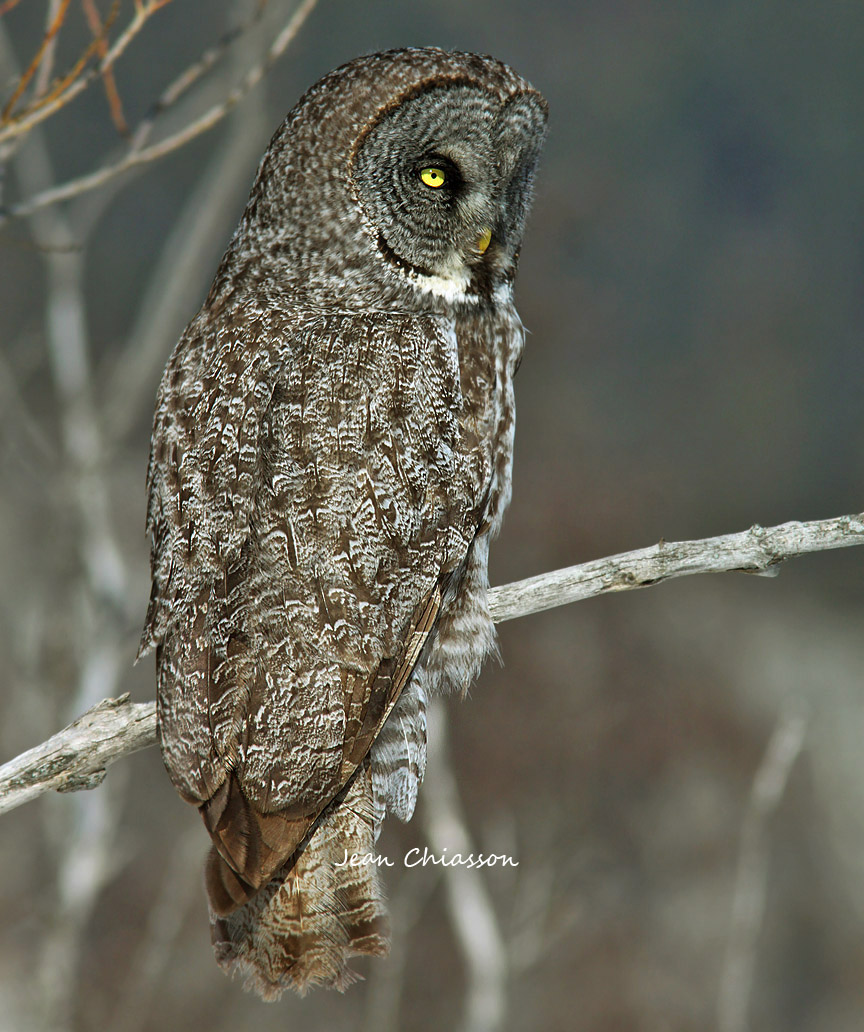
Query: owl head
x=401 y=180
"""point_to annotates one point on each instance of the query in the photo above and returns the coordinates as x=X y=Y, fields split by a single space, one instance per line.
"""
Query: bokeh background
x=693 y=280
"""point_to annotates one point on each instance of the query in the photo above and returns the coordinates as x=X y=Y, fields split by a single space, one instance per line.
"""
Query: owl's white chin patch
x=452 y=282
x=456 y=287
x=503 y=294
x=452 y=286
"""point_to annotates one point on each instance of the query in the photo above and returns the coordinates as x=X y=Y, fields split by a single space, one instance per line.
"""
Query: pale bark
x=77 y=756
x=757 y=550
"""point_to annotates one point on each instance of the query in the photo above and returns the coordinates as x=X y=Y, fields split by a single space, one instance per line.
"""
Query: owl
x=331 y=455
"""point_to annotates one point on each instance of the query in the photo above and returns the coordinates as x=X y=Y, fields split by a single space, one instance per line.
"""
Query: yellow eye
x=433 y=177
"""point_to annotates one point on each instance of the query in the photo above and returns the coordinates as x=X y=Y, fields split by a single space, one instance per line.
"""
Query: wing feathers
x=254 y=845
x=305 y=524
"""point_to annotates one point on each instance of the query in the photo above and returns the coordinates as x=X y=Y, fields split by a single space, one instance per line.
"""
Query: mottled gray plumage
x=331 y=453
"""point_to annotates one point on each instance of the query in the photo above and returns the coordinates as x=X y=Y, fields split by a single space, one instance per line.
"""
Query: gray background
x=692 y=280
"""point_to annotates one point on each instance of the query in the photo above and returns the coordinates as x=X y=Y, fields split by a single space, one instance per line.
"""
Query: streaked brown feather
x=303 y=927
x=331 y=452
x=253 y=845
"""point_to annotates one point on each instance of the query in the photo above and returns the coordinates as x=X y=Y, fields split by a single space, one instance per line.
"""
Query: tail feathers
x=249 y=846
x=301 y=929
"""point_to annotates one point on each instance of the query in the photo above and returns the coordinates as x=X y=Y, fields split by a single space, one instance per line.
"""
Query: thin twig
x=73 y=84
x=115 y=105
x=162 y=308
x=46 y=68
x=30 y=71
x=710 y=555
x=748 y=905
x=190 y=75
x=135 y=157
x=60 y=93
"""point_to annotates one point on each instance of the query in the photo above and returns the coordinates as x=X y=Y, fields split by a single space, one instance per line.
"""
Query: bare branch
x=757 y=550
x=85 y=855
x=97 y=29
x=69 y=759
x=74 y=82
x=48 y=42
x=78 y=756
x=191 y=74
x=46 y=68
x=137 y=155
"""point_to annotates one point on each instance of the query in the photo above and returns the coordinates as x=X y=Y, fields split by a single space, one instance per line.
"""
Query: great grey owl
x=331 y=455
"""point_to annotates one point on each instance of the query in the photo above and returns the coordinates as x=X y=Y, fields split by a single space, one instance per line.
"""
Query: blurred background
x=679 y=771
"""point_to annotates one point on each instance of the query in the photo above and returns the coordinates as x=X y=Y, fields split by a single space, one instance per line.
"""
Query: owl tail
x=301 y=929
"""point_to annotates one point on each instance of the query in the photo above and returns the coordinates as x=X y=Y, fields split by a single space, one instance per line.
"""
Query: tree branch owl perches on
x=331 y=455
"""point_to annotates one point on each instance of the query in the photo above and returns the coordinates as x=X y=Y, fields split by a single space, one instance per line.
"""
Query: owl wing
x=311 y=499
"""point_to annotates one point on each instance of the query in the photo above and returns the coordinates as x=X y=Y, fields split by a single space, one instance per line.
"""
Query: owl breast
x=489 y=347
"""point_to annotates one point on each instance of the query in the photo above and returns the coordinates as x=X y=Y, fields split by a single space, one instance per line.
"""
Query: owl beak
x=483 y=240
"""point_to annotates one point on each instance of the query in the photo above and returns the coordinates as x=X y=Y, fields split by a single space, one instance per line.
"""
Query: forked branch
x=136 y=153
x=77 y=756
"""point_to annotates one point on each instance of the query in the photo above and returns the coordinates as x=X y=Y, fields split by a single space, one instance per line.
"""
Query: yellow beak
x=484 y=240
